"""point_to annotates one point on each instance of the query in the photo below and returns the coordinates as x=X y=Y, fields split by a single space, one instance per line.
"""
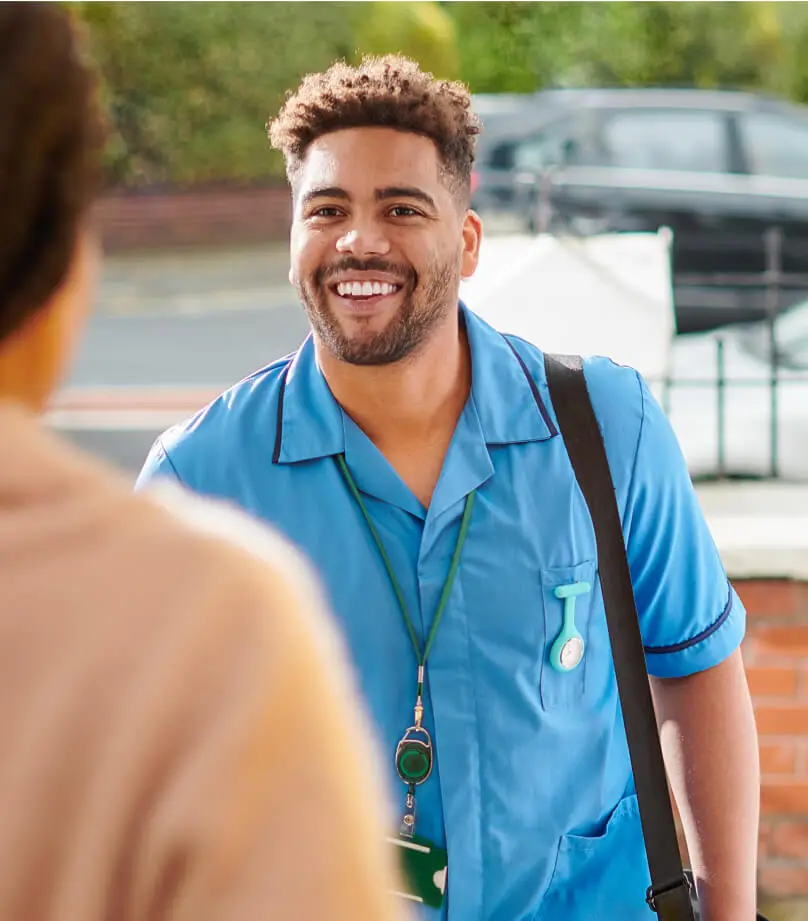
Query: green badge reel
x=424 y=864
x=414 y=755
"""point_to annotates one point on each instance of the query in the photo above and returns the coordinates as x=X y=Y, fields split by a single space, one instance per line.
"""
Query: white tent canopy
x=601 y=295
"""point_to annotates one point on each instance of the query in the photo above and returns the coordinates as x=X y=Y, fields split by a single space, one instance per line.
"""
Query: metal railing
x=773 y=279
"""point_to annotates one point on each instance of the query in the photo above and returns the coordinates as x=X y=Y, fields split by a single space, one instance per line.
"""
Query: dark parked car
x=721 y=169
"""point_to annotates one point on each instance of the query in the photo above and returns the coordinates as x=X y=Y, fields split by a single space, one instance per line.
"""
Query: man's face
x=379 y=243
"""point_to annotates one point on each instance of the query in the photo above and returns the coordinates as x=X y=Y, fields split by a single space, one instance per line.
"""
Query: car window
x=666 y=139
x=555 y=146
x=775 y=145
x=502 y=156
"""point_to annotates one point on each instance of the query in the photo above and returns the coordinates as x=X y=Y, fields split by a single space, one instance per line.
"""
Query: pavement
x=194 y=281
x=169 y=331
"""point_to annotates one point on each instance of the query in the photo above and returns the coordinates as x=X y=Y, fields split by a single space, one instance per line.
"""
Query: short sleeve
x=690 y=616
x=158 y=465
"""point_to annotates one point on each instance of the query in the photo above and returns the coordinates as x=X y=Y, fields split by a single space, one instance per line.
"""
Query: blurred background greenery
x=189 y=86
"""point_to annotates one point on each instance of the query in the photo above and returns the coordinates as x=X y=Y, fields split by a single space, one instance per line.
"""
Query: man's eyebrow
x=405 y=192
x=327 y=192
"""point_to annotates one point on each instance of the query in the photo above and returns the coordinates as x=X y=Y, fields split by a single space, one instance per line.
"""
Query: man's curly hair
x=389 y=92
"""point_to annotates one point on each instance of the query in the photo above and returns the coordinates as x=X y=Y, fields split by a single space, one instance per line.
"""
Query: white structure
x=602 y=295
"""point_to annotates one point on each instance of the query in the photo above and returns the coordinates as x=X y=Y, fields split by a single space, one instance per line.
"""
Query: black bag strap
x=670 y=893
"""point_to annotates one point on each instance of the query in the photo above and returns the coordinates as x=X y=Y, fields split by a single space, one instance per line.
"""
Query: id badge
x=424 y=869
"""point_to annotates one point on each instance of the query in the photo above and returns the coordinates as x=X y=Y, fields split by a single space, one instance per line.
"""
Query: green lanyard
x=414 y=752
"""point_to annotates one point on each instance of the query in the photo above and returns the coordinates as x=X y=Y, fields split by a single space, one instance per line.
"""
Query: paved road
x=208 y=350
x=176 y=349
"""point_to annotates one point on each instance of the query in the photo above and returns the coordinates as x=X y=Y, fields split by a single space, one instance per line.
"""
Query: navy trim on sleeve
x=699 y=637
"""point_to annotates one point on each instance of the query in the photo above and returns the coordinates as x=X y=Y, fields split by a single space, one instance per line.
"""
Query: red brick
x=203 y=216
x=790 y=839
x=784 y=797
x=778 y=758
x=789 y=641
x=782 y=881
x=801 y=768
x=769 y=598
x=773 y=681
x=782 y=720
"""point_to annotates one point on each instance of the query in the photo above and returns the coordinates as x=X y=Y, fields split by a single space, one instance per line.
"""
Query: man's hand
x=710 y=744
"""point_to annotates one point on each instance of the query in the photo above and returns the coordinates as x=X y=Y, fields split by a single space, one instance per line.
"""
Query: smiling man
x=412 y=451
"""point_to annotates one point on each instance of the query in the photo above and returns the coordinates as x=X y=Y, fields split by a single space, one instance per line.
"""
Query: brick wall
x=776 y=656
x=209 y=217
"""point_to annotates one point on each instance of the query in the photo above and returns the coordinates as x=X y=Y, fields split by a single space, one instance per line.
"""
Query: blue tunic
x=532 y=791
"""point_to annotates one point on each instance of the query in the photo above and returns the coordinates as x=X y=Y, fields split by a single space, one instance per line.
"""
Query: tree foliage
x=424 y=31
x=190 y=86
x=521 y=47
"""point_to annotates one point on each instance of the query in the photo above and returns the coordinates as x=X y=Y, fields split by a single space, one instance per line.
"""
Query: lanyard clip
x=407 y=828
x=419 y=712
x=419 y=700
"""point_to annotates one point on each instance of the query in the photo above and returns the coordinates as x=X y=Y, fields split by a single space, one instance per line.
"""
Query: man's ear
x=472 y=238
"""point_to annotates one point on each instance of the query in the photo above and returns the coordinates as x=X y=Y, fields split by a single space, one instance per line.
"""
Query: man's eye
x=326 y=211
x=403 y=211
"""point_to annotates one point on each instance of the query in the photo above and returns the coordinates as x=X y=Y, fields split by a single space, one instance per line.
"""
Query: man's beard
x=424 y=305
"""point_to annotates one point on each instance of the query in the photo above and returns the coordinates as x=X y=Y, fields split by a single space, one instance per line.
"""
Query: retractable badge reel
x=414 y=761
x=424 y=864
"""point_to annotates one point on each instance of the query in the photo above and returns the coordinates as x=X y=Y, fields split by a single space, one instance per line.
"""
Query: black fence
x=774 y=280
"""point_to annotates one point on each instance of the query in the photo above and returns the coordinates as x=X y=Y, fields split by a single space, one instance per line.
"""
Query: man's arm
x=710 y=745
x=692 y=625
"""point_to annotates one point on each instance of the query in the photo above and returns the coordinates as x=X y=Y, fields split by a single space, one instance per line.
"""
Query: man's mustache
x=404 y=274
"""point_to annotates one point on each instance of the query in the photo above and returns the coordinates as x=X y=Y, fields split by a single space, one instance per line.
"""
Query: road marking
x=126 y=408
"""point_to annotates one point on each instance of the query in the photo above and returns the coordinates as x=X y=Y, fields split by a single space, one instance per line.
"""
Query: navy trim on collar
x=509 y=395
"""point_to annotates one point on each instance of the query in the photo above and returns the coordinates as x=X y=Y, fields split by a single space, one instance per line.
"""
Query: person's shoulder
x=617 y=393
x=249 y=406
x=242 y=557
x=619 y=399
x=615 y=390
x=217 y=528
x=619 y=388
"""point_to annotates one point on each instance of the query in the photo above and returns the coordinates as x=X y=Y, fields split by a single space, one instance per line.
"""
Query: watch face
x=572 y=652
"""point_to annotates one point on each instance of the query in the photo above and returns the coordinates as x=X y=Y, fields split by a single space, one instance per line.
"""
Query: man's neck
x=410 y=401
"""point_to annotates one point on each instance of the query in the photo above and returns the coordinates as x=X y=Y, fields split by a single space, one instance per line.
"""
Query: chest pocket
x=568 y=598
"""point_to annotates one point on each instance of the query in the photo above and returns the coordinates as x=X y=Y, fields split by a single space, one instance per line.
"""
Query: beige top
x=180 y=738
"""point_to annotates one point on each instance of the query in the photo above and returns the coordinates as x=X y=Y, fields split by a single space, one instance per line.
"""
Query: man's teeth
x=364 y=288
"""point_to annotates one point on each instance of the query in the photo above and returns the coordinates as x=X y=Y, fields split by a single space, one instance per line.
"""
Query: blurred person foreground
x=173 y=696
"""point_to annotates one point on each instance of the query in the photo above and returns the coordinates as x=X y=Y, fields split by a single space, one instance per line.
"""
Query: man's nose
x=365 y=238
